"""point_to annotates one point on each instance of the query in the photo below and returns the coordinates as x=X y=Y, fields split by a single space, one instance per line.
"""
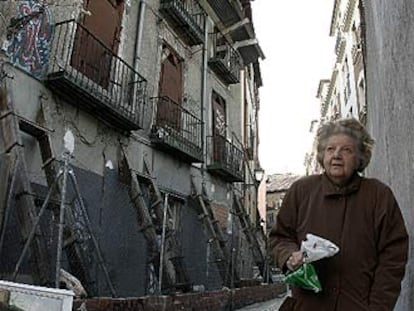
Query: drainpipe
x=204 y=97
x=137 y=57
x=138 y=40
x=162 y=251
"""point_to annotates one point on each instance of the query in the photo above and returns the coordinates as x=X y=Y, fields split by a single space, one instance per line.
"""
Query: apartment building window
x=337 y=106
x=219 y=115
x=347 y=88
x=92 y=57
x=361 y=94
x=170 y=87
x=219 y=126
x=174 y=216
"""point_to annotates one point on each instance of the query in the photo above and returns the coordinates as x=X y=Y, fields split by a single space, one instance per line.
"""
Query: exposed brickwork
x=221 y=214
x=206 y=301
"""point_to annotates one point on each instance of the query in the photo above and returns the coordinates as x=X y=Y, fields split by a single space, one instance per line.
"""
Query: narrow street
x=271 y=305
x=174 y=155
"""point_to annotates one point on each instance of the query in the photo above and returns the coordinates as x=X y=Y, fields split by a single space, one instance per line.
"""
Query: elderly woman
x=360 y=215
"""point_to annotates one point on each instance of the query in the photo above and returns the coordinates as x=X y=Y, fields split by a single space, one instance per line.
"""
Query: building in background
x=344 y=94
x=276 y=187
x=142 y=117
x=311 y=163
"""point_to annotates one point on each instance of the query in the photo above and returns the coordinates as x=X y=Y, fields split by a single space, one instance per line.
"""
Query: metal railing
x=191 y=9
x=177 y=126
x=229 y=58
x=224 y=155
x=79 y=56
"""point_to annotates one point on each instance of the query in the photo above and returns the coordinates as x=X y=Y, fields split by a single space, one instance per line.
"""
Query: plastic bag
x=305 y=276
x=315 y=248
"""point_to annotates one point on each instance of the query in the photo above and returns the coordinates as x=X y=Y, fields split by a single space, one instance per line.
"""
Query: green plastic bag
x=304 y=277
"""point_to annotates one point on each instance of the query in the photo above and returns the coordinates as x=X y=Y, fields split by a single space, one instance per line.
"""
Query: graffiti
x=29 y=35
x=220 y=122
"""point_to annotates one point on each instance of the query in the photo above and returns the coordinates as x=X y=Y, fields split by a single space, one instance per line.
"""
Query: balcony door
x=170 y=88
x=219 y=128
x=97 y=38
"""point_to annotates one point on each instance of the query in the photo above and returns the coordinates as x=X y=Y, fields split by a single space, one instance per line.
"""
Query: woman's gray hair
x=352 y=128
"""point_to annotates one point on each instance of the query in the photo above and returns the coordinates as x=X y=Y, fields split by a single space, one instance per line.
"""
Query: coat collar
x=330 y=189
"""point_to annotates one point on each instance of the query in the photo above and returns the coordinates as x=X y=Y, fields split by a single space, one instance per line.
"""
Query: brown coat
x=364 y=220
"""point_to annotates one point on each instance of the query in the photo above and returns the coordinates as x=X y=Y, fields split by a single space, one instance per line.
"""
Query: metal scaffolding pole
x=164 y=223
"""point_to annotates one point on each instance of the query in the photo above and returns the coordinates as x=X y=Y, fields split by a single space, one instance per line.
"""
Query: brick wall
x=206 y=301
x=221 y=214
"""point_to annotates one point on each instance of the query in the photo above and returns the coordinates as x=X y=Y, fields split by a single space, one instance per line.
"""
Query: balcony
x=177 y=130
x=235 y=19
x=340 y=45
x=225 y=159
x=225 y=61
x=90 y=76
x=228 y=11
x=349 y=14
x=187 y=19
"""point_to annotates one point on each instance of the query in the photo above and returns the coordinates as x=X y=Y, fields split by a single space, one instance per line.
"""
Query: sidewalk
x=270 y=305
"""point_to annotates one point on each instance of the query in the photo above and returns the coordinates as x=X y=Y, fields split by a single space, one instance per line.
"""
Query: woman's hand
x=295 y=261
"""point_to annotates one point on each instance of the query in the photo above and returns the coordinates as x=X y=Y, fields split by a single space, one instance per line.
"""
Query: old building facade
x=142 y=117
x=344 y=94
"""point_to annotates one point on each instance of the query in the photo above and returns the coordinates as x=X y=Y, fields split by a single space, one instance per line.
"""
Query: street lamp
x=259 y=174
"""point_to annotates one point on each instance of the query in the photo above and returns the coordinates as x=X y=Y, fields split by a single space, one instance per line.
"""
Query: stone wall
x=206 y=301
x=390 y=94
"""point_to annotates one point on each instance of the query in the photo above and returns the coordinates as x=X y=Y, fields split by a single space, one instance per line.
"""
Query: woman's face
x=341 y=158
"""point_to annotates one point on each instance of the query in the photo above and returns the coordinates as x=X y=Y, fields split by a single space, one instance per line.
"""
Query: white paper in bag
x=315 y=248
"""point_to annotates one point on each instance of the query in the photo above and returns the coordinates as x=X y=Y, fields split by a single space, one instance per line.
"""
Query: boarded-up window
x=171 y=87
x=94 y=46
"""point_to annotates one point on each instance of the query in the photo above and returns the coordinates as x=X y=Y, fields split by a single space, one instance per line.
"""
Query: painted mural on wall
x=29 y=35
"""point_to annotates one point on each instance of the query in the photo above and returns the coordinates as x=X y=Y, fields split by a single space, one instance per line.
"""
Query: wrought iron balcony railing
x=187 y=18
x=177 y=130
x=225 y=60
x=89 y=75
x=224 y=159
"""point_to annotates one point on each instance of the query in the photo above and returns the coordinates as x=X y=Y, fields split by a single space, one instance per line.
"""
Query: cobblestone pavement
x=271 y=305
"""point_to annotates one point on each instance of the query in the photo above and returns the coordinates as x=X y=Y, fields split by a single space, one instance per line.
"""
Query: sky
x=294 y=36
